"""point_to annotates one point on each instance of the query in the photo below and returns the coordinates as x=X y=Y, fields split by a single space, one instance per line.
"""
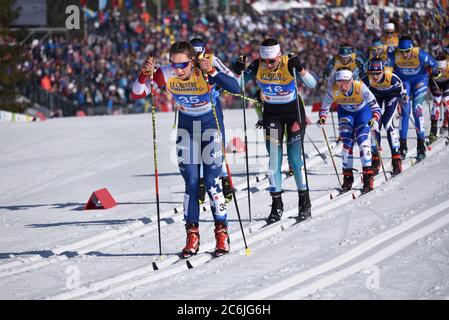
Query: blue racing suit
x=415 y=78
x=198 y=140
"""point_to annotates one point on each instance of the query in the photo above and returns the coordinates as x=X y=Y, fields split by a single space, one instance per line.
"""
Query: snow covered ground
x=392 y=243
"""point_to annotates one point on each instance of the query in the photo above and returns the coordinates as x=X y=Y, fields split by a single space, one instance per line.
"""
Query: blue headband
x=405 y=44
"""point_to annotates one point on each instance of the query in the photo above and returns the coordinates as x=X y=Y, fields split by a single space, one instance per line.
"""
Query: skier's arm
x=294 y=64
x=217 y=77
x=329 y=68
x=140 y=88
x=248 y=73
x=218 y=64
x=429 y=62
x=371 y=101
x=224 y=81
x=326 y=104
x=397 y=86
x=390 y=59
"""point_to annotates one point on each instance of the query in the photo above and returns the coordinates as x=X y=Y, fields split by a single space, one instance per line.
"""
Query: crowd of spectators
x=99 y=70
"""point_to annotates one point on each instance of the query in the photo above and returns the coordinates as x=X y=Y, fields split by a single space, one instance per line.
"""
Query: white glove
x=374 y=124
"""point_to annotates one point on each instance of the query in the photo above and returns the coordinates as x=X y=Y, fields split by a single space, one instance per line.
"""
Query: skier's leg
x=346 y=123
x=405 y=113
x=387 y=121
x=274 y=137
x=273 y=140
x=363 y=136
x=419 y=89
x=188 y=151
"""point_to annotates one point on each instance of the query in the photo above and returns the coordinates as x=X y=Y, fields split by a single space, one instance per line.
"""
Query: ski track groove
x=132 y=230
x=377 y=256
x=113 y=285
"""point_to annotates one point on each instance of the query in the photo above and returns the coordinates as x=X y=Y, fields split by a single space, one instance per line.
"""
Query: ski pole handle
x=148 y=67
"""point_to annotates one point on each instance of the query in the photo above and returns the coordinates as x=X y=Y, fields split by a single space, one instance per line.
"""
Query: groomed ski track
x=259 y=236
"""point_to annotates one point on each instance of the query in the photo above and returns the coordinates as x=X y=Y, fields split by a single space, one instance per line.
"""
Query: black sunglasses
x=270 y=61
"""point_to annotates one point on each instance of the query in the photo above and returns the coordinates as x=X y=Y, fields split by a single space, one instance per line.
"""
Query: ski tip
x=175 y=210
x=353 y=196
x=155 y=267
x=247 y=252
x=331 y=196
x=189 y=265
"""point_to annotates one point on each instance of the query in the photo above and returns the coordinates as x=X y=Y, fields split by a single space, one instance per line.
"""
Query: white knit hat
x=389 y=26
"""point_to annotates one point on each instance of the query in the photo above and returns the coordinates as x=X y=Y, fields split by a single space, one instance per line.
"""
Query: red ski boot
x=222 y=238
x=192 y=242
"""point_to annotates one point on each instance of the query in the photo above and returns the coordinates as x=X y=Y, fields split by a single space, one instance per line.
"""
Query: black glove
x=403 y=98
x=240 y=65
x=325 y=75
x=294 y=61
x=436 y=74
x=259 y=124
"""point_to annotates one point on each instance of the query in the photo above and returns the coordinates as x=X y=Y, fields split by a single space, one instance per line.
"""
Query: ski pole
x=244 y=97
x=332 y=115
x=303 y=127
x=332 y=157
x=228 y=170
x=259 y=112
x=333 y=123
x=378 y=152
x=316 y=148
x=156 y=174
x=242 y=84
x=428 y=102
x=176 y=117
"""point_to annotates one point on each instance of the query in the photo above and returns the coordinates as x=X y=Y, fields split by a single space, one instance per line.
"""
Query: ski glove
x=325 y=75
x=374 y=124
x=321 y=122
x=240 y=65
x=294 y=61
x=259 y=124
x=436 y=74
x=403 y=98
x=146 y=70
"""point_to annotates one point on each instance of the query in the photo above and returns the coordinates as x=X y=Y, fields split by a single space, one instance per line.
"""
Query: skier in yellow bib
x=275 y=76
